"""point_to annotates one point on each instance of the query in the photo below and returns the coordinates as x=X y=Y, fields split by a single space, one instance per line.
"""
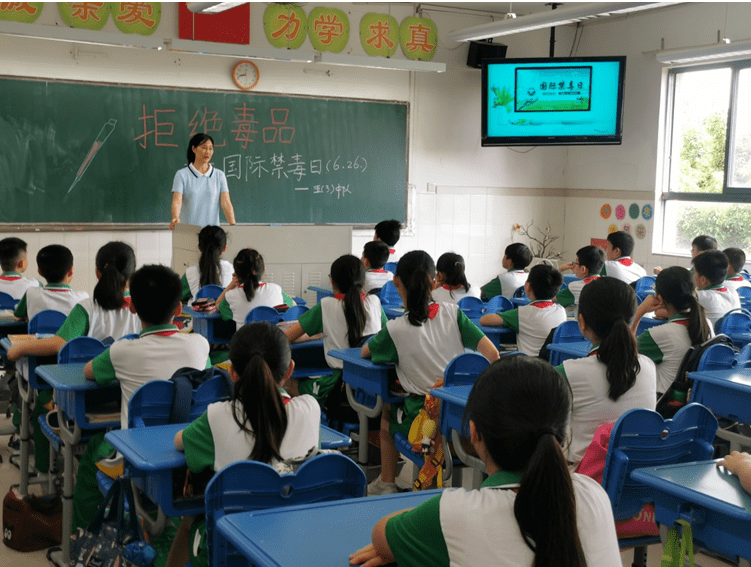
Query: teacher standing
x=199 y=188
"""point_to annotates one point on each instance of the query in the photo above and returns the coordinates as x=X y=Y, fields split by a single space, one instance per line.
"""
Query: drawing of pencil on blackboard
x=104 y=133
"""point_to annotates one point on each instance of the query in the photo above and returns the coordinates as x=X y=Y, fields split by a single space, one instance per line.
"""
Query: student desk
x=310 y=359
x=453 y=401
x=73 y=393
x=519 y=301
x=728 y=394
x=392 y=311
x=324 y=534
x=362 y=375
x=150 y=457
x=709 y=498
x=647 y=323
x=210 y=325
x=565 y=351
x=497 y=335
x=321 y=291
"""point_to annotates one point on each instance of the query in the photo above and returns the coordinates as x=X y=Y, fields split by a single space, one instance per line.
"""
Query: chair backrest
x=263 y=313
x=390 y=267
x=472 y=307
x=498 y=303
x=519 y=292
x=293 y=313
x=80 y=349
x=736 y=321
x=7 y=301
x=744 y=293
x=645 y=285
x=250 y=485
x=211 y=291
x=46 y=322
x=642 y=438
x=464 y=369
x=717 y=357
x=743 y=358
x=389 y=295
x=129 y=337
x=299 y=300
x=567 y=332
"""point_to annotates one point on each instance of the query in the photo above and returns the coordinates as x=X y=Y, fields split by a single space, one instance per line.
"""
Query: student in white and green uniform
x=687 y=324
x=451 y=283
x=587 y=267
x=421 y=343
x=710 y=271
x=516 y=257
x=14 y=261
x=211 y=269
x=260 y=423
x=518 y=414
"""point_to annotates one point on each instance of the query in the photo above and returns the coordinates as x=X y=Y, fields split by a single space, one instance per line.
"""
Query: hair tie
x=544 y=431
x=255 y=353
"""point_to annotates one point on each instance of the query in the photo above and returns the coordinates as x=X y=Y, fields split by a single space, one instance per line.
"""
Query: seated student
x=55 y=264
x=388 y=231
x=619 y=263
x=710 y=271
x=450 y=280
x=700 y=244
x=345 y=320
x=740 y=465
x=687 y=323
x=516 y=257
x=14 y=260
x=211 y=269
x=260 y=423
x=736 y=261
x=588 y=265
x=421 y=343
x=246 y=291
x=530 y=510
x=375 y=254
x=614 y=378
x=533 y=323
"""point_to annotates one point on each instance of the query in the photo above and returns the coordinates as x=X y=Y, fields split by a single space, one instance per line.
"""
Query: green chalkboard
x=91 y=153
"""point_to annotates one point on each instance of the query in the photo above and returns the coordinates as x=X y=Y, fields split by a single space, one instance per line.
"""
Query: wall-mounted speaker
x=479 y=50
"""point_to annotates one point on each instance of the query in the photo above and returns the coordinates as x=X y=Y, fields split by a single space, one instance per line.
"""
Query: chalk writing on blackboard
x=294 y=167
x=104 y=133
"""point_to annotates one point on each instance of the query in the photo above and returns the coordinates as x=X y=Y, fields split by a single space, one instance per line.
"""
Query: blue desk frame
x=727 y=393
x=211 y=326
x=453 y=401
x=321 y=292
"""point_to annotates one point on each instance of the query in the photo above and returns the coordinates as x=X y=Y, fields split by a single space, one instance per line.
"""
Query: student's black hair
x=704 y=242
x=388 y=231
x=11 y=250
x=54 y=262
x=196 y=141
x=452 y=265
x=348 y=274
x=736 y=258
x=521 y=406
x=545 y=281
x=116 y=262
x=607 y=306
x=675 y=285
x=155 y=292
x=260 y=354
x=623 y=241
x=249 y=267
x=376 y=253
x=211 y=242
x=519 y=254
x=713 y=265
x=591 y=257
x=416 y=271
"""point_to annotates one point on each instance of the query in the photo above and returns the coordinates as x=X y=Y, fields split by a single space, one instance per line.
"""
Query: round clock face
x=245 y=74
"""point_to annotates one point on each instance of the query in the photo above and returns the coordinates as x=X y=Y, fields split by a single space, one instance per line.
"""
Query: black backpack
x=676 y=396
x=186 y=380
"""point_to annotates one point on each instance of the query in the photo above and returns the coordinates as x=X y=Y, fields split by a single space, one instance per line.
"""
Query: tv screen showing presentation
x=553 y=102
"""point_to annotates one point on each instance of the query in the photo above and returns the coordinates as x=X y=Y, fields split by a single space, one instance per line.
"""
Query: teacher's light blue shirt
x=200 y=194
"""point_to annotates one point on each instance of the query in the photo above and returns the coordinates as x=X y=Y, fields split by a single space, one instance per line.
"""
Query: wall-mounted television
x=552 y=102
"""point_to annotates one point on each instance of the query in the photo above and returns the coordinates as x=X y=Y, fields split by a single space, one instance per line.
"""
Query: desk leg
x=23 y=486
x=465 y=457
x=363 y=413
x=67 y=500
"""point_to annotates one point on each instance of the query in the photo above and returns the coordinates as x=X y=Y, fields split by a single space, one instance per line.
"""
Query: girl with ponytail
x=687 y=323
x=421 y=343
x=530 y=510
x=451 y=281
x=211 y=269
x=614 y=378
x=246 y=291
x=345 y=321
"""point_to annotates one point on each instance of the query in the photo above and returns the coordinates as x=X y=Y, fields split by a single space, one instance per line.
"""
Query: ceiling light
x=329 y=58
x=77 y=35
x=241 y=51
x=713 y=53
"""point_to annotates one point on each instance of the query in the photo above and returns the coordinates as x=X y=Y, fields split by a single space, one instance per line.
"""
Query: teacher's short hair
x=196 y=141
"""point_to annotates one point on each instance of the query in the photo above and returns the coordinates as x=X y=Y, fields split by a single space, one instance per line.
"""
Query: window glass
x=729 y=223
x=739 y=171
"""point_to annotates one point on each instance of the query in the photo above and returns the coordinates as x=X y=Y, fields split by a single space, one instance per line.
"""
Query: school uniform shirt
x=532 y=324
x=505 y=284
x=235 y=306
x=215 y=440
x=592 y=407
x=192 y=279
x=156 y=354
x=625 y=269
x=374 y=279
x=201 y=194
x=88 y=318
x=570 y=295
x=734 y=282
x=15 y=285
x=448 y=294
x=422 y=353
x=477 y=528
x=59 y=297
x=718 y=300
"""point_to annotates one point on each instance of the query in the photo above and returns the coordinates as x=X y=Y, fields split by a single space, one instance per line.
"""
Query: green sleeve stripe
x=565 y=297
x=104 y=372
x=604 y=271
x=416 y=538
x=562 y=370
x=199 y=444
x=288 y=301
x=21 y=310
x=648 y=347
x=225 y=311
x=186 y=289
x=491 y=289
x=471 y=335
x=75 y=325
x=511 y=319
x=384 y=319
x=382 y=348
x=312 y=320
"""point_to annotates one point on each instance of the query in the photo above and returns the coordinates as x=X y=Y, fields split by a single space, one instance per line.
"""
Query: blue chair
x=80 y=349
x=299 y=301
x=733 y=323
x=7 y=301
x=717 y=357
x=129 y=337
x=645 y=285
x=263 y=313
x=293 y=313
x=211 y=291
x=641 y=438
x=46 y=322
x=464 y=369
x=498 y=304
x=389 y=295
x=568 y=278
x=744 y=294
x=743 y=358
x=566 y=332
x=250 y=485
x=520 y=293
x=390 y=267
x=473 y=307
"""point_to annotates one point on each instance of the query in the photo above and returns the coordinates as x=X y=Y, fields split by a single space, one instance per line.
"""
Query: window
x=707 y=178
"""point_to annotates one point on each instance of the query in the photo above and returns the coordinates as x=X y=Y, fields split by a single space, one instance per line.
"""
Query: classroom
x=459 y=196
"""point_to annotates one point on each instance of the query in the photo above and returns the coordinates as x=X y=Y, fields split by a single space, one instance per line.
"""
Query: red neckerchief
x=340 y=296
x=735 y=279
x=451 y=288
x=10 y=278
x=625 y=261
x=542 y=304
x=433 y=310
x=392 y=251
x=722 y=289
x=589 y=279
x=165 y=333
x=379 y=271
x=683 y=322
x=126 y=305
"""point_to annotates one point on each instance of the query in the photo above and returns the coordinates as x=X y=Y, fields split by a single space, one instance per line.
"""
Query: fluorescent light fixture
x=713 y=53
x=551 y=18
x=241 y=51
x=329 y=58
x=75 y=35
x=212 y=7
